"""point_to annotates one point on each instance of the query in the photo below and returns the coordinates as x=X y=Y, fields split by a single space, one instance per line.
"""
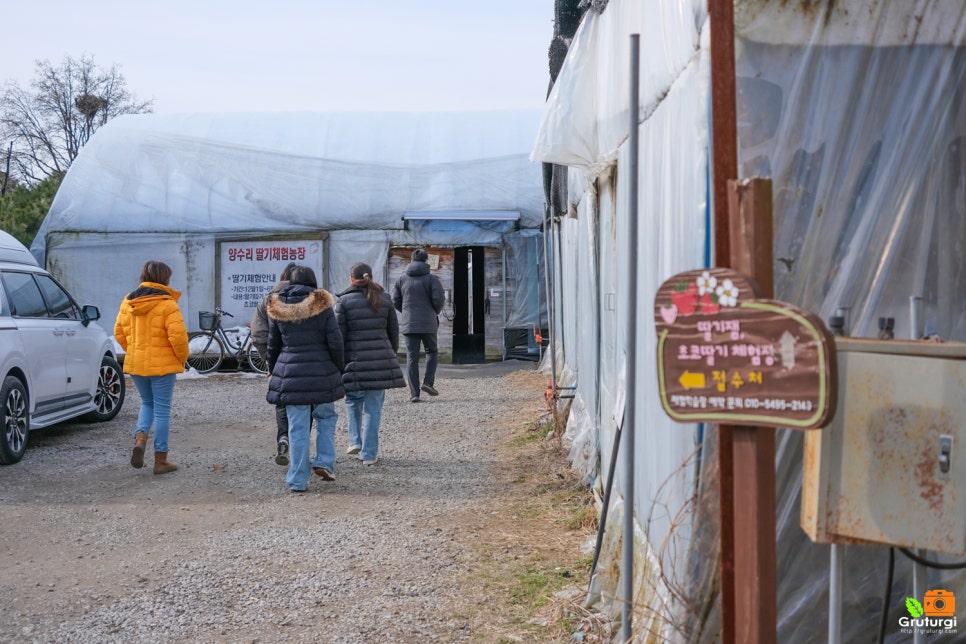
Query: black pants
x=413 y=340
x=281 y=420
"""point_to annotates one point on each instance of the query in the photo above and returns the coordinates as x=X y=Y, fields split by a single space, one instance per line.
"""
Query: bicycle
x=209 y=347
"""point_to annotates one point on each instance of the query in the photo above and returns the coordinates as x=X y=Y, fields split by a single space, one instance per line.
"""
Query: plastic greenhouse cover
x=585 y=127
x=857 y=110
x=588 y=105
x=859 y=117
x=290 y=171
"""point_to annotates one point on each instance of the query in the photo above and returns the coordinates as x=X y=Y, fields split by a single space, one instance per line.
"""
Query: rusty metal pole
x=756 y=615
x=724 y=147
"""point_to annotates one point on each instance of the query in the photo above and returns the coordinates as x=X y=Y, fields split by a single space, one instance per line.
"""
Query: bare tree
x=49 y=123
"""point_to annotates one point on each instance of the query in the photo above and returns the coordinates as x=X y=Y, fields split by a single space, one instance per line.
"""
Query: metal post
x=627 y=559
x=503 y=292
x=836 y=569
x=550 y=288
x=918 y=590
x=918 y=570
x=837 y=551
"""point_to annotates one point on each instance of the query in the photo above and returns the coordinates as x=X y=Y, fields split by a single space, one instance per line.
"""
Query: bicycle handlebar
x=221 y=311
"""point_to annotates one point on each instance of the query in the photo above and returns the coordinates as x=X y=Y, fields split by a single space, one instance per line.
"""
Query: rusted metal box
x=890 y=467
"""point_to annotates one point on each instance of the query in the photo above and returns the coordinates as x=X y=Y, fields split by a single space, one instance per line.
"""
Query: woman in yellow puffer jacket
x=152 y=333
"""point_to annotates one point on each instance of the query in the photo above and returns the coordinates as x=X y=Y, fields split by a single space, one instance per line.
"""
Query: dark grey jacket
x=418 y=296
x=371 y=340
x=305 y=352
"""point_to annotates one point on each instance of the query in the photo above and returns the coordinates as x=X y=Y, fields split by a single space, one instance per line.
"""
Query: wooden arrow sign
x=725 y=356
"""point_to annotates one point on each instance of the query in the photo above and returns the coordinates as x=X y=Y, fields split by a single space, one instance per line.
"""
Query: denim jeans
x=363 y=412
x=428 y=340
x=156 y=393
x=299 y=434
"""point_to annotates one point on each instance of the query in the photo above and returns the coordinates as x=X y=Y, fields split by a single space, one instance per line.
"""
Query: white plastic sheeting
x=177 y=187
x=585 y=126
x=589 y=105
x=857 y=111
x=250 y=172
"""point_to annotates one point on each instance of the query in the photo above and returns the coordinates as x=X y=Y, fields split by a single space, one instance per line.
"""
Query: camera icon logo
x=939 y=603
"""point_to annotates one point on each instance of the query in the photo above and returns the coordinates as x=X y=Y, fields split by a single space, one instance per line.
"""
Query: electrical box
x=890 y=467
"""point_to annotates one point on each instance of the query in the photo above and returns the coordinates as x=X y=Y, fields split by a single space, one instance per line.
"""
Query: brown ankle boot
x=161 y=463
x=137 y=454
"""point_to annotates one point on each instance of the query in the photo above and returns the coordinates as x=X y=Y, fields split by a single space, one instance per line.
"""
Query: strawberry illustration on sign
x=702 y=292
x=707 y=283
x=669 y=313
x=685 y=297
x=709 y=304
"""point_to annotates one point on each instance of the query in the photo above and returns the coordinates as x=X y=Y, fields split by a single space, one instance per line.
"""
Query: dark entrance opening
x=469 y=301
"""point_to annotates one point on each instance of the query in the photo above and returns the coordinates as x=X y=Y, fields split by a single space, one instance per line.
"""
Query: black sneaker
x=281 y=455
x=414 y=399
x=430 y=390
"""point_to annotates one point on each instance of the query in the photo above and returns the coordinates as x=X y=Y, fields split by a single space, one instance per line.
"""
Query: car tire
x=16 y=420
x=109 y=396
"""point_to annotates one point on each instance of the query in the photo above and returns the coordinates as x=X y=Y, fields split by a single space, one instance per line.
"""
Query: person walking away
x=370 y=332
x=259 y=327
x=306 y=360
x=151 y=331
x=418 y=296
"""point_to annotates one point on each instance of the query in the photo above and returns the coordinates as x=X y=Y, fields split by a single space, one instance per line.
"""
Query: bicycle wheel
x=205 y=352
x=255 y=360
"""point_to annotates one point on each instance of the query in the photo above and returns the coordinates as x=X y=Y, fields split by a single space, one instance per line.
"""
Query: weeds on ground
x=529 y=578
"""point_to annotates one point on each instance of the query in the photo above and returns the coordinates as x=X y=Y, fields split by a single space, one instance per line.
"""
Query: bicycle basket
x=207 y=320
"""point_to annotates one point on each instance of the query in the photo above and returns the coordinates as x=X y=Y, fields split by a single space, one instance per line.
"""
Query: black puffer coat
x=305 y=353
x=418 y=296
x=371 y=341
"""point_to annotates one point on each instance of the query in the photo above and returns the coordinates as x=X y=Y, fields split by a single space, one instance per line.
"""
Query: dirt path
x=423 y=546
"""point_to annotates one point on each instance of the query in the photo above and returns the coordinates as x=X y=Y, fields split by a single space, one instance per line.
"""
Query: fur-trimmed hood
x=284 y=307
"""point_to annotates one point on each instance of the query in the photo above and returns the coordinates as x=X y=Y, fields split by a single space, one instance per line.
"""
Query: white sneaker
x=354 y=449
x=372 y=462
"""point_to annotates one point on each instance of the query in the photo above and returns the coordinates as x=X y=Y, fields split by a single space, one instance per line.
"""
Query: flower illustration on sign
x=706 y=283
x=704 y=295
x=727 y=293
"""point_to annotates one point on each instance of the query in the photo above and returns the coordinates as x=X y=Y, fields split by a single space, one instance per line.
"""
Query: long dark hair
x=361 y=277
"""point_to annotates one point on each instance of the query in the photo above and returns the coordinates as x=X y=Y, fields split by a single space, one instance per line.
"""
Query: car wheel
x=110 y=392
x=16 y=421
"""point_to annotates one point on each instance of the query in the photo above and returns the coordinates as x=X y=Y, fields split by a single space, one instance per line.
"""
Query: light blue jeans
x=363 y=412
x=156 y=393
x=299 y=434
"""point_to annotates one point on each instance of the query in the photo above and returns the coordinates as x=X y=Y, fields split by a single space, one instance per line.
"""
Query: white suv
x=56 y=363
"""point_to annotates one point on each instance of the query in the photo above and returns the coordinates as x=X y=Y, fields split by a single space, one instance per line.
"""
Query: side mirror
x=90 y=313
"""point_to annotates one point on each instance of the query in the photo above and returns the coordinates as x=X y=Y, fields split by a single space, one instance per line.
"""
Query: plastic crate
x=207 y=320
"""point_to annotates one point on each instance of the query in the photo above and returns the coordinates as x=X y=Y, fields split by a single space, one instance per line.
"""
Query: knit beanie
x=419 y=255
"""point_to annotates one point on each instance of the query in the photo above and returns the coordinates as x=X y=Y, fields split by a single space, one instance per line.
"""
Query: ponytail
x=372 y=289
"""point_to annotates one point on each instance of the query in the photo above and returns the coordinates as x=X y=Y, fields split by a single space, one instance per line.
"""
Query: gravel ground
x=96 y=551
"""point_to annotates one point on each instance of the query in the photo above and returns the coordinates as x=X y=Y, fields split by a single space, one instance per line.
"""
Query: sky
x=301 y=55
